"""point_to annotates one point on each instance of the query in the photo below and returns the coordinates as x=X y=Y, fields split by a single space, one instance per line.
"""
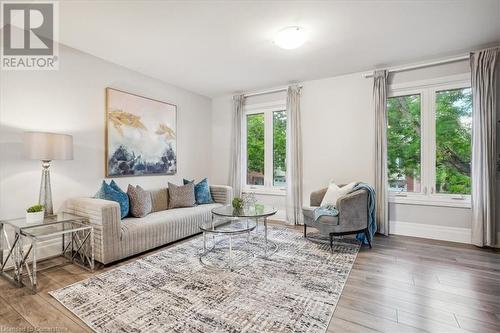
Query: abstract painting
x=140 y=135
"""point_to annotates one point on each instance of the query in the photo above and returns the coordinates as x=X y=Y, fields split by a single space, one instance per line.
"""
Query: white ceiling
x=218 y=47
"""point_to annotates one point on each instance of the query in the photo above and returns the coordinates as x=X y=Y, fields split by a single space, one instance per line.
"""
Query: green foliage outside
x=403 y=140
x=256 y=146
x=279 y=144
x=255 y=143
x=453 y=140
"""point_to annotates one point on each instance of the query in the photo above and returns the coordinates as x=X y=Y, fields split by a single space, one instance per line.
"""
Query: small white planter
x=35 y=217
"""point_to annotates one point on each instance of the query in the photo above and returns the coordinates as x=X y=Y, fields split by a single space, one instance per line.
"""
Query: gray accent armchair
x=352 y=217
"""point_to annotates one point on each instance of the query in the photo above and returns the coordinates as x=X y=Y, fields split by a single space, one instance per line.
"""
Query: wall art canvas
x=140 y=135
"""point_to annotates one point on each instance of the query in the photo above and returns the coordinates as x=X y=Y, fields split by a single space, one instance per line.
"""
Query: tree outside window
x=404 y=143
x=266 y=148
x=255 y=149
x=453 y=141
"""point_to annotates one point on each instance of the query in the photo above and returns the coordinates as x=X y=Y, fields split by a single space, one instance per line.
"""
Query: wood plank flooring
x=403 y=284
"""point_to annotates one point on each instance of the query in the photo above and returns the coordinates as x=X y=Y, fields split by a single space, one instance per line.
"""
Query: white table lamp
x=46 y=147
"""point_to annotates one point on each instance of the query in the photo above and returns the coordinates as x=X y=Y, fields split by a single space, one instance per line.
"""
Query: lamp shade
x=48 y=146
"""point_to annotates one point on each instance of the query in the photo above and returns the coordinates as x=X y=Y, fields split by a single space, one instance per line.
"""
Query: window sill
x=265 y=191
x=439 y=202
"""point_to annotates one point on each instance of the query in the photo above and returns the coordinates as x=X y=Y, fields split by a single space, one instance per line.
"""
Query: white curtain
x=235 y=170
x=294 y=157
x=484 y=99
x=380 y=104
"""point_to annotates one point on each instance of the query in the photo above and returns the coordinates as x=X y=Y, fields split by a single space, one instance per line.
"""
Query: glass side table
x=22 y=245
x=229 y=228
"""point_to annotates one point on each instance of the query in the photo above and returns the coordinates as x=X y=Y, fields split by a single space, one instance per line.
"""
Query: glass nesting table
x=20 y=243
x=238 y=253
x=230 y=223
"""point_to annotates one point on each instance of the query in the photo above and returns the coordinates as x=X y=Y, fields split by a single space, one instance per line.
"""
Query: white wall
x=336 y=120
x=338 y=142
x=338 y=131
x=221 y=139
x=71 y=101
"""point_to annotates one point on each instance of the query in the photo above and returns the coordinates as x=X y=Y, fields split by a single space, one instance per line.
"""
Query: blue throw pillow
x=114 y=193
x=201 y=191
x=115 y=187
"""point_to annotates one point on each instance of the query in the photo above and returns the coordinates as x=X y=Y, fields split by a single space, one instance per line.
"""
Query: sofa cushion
x=201 y=191
x=114 y=193
x=140 y=201
x=308 y=212
x=159 y=199
x=167 y=225
x=181 y=196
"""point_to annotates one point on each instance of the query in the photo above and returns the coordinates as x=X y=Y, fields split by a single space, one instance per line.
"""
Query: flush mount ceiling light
x=290 y=38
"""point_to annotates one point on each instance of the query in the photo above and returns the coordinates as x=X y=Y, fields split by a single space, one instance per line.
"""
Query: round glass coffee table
x=253 y=213
x=228 y=228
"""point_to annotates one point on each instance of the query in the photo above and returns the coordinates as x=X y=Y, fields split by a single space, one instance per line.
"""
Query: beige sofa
x=115 y=239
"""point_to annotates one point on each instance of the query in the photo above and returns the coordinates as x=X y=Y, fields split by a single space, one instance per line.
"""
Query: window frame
x=427 y=90
x=267 y=109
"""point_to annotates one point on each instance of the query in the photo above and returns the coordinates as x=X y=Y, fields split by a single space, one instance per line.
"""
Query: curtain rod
x=423 y=65
x=269 y=91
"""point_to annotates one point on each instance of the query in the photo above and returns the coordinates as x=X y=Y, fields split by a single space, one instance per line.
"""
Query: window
x=403 y=143
x=255 y=149
x=264 y=139
x=279 y=148
x=429 y=144
x=453 y=141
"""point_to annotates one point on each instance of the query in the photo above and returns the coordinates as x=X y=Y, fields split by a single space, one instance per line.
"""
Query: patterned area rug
x=295 y=290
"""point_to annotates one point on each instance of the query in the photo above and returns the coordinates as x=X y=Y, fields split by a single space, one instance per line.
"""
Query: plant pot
x=35 y=217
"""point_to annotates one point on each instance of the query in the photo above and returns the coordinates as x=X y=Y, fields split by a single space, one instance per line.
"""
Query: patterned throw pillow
x=140 y=201
x=181 y=196
x=114 y=193
x=201 y=191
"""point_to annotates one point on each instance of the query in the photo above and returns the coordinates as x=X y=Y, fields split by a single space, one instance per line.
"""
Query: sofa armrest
x=222 y=194
x=104 y=215
x=353 y=210
x=98 y=211
x=317 y=196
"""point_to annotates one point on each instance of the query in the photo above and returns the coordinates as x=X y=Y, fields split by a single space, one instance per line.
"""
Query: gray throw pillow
x=140 y=201
x=181 y=196
x=159 y=199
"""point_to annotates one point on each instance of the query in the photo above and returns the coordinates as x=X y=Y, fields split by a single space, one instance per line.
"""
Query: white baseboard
x=451 y=234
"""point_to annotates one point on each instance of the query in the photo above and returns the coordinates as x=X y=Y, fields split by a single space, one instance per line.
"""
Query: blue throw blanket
x=328 y=210
x=331 y=210
x=372 y=222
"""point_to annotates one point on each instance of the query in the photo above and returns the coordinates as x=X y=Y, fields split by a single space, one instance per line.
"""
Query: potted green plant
x=34 y=214
x=237 y=204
